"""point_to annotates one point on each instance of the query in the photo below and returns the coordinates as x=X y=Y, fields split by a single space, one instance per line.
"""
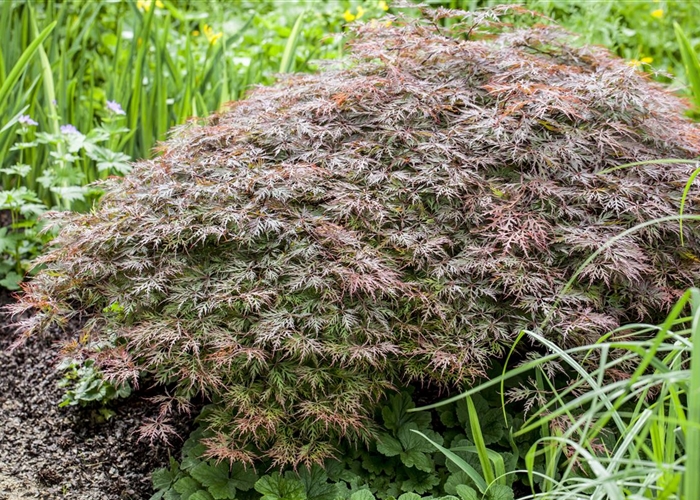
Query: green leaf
x=316 y=484
x=473 y=474
x=362 y=495
x=377 y=464
x=186 y=486
x=466 y=493
x=389 y=446
x=216 y=479
x=409 y=496
x=162 y=479
x=396 y=413
x=413 y=442
x=500 y=492
x=277 y=487
x=23 y=63
x=419 y=482
x=491 y=421
x=201 y=495
x=11 y=281
x=243 y=478
x=454 y=480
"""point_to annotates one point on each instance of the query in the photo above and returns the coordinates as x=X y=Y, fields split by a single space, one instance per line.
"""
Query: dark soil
x=48 y=452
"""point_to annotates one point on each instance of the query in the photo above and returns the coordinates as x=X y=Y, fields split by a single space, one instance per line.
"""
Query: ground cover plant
x=399 y=219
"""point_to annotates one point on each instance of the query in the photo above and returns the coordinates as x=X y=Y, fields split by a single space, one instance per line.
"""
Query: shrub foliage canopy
x=399 y=218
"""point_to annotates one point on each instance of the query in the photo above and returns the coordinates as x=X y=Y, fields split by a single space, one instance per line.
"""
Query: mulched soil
x=48 y=452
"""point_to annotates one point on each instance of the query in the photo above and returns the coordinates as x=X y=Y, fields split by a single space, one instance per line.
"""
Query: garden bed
x=50 y=452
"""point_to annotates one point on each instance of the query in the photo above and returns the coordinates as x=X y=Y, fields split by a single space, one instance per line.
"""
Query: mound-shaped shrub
x=400 y=218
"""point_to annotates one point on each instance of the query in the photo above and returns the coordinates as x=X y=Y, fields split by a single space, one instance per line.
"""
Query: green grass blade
x=692 y=433
x=290 y=48
x=459 y=462
x=690 y=62
x=475 y=427
x=688 y=184
x=22 y=64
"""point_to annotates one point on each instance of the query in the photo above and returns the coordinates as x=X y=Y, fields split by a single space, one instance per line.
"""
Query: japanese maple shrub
x=398 y=218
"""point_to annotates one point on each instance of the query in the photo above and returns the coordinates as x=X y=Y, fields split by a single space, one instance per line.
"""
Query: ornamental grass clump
x=398 y=219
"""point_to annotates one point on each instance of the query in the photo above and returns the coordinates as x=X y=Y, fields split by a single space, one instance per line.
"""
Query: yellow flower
x=636 y=63
x=195 y=33
x=348 y=16
x=360 y=11
x=383 y=5
x=211 y=36
x=658 y=13
x=388 y=23
x=145 y=5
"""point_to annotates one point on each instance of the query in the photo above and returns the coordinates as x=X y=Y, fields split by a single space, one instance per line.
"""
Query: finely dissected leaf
x=399 y=218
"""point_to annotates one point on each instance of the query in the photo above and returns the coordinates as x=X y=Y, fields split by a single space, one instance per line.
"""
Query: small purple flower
x=69 y=129
x=27 y=121
x=115 y=108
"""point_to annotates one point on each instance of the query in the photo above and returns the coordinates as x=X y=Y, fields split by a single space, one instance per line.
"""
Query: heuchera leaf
x=277 y=487
x=389 y=446
x=409 y=496
x=419 y=482
x=362 y=495
x=163 y=478
x=186 y=486
x=201 y=495
x=500 y=492
x=316 y=484
x=216 y=479
x=242 y=478
x=396 y=414
x=455 y=480
x=466 y=493
x=375 y=463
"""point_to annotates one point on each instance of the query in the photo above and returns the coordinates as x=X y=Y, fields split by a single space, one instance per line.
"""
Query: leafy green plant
x=400 y=465
x=84 y=384
x=297 y=255
x=691 y=63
